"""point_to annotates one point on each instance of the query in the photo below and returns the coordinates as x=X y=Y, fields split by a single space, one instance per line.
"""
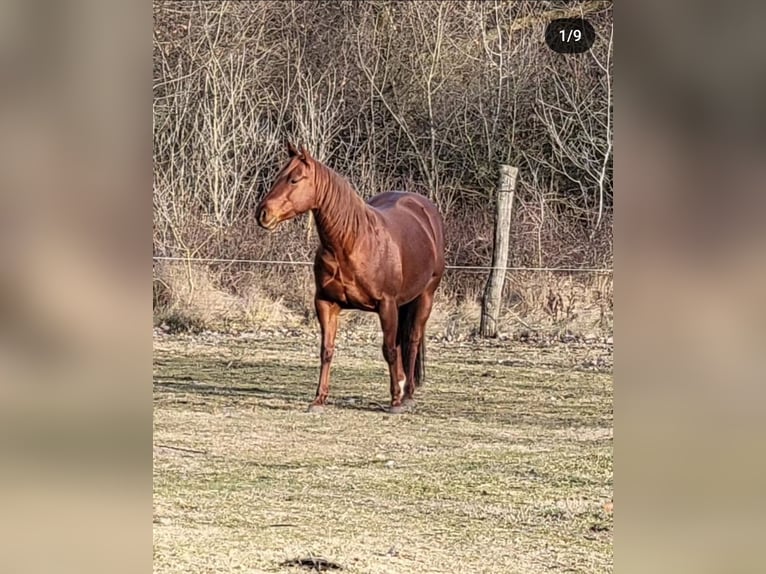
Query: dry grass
x=192 y=297
x=504 y=466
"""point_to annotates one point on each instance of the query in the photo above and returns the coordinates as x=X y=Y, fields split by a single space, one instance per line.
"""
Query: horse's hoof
x=396 y=409
x=408 y=402
x=315 y=408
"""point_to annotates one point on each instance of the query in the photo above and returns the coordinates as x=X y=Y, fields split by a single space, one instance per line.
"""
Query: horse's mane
x=342 y=214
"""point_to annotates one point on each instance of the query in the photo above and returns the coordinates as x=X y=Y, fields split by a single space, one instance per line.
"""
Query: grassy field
x=504 y=465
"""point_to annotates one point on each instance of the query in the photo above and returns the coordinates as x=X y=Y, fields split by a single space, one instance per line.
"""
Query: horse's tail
x=405 y=326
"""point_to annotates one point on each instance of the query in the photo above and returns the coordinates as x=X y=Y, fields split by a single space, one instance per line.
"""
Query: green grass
x=504 y=466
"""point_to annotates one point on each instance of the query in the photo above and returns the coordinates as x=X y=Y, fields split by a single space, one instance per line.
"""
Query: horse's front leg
x=327 y=313
x=389 y=319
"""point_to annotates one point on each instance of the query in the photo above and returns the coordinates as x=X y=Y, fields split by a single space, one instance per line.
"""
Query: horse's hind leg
x=327 y=313
x=420 y=311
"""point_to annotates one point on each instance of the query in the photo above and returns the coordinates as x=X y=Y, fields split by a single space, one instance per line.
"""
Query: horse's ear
x=305 y=156
x=291 y=151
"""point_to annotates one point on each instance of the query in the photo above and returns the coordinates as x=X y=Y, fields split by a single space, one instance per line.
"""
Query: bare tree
x=426 y=96
x=577 y=118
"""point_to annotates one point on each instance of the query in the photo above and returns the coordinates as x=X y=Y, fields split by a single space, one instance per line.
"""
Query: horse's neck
x=342 y=216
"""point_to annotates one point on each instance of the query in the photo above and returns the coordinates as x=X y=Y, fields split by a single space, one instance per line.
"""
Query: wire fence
x=469 y=268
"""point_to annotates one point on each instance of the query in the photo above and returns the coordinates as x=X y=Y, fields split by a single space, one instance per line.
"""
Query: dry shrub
x=453 y=318
x=262 y=310
x=193 y=298
x=551 y=303
x=189 y=297
x=561 y=302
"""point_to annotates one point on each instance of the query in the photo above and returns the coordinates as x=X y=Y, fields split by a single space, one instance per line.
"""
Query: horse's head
x=292 y=193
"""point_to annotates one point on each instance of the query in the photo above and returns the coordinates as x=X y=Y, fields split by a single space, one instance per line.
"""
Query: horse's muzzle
x=264 y=220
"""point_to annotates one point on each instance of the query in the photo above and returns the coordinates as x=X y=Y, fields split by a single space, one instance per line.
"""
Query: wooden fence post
x=493 y=291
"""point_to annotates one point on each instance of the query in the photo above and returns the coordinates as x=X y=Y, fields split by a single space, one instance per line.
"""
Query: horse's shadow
x=271 y=392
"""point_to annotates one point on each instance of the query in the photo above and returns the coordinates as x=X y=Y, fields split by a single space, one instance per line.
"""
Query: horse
x=384 y=256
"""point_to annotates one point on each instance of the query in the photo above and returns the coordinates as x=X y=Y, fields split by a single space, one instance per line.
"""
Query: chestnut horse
x=386 y=256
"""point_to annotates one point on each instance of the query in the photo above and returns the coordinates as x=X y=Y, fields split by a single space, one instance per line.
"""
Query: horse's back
x=399 y=208
x=415 y=223
x=390 y=199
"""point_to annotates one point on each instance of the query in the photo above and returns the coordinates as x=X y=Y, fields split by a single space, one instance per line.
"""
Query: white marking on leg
x=401 y=387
